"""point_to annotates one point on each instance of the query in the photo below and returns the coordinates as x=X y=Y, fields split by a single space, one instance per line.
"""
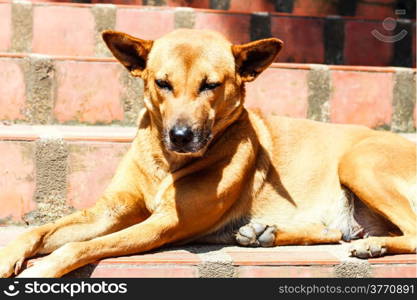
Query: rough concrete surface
x=22 y=20
x=51 y=182
x=105 y=18
x=39 y=76
x=132 y=97
x=318 y=93
x=404 y=100
x=184 y=17
x=215 y=262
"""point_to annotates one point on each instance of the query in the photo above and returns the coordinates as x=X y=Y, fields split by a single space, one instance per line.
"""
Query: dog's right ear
x=254 y=57
x=130 y=51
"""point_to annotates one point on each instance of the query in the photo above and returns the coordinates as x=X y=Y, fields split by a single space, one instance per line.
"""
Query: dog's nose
x=181 y=135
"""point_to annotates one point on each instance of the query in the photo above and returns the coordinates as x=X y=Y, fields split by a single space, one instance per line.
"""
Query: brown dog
x=204 y=168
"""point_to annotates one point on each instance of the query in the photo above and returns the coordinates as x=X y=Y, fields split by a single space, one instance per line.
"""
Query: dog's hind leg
x=381 y=172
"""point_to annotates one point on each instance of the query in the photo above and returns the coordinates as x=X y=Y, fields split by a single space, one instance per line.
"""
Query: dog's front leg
x=187 y=207
x=190 y=203
x=184 y=210
x=141 y=237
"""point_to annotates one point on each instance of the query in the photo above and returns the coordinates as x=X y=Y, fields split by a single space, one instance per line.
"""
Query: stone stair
x=73 y=29
x=71 y=90
x=365 y=9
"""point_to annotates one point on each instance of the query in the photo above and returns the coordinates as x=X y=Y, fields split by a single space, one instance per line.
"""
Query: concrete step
x=73 y=29
x=375 y=9
x=40 y=89
x=231 y=261
x=48 y=171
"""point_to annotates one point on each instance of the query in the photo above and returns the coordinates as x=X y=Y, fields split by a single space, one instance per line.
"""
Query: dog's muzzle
x=183 y=139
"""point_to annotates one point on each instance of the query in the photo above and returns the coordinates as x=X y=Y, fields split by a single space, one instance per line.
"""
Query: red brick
x=88 y=92
x=314 y=8
x=235 y=27
x=6 y=27
x=268 y=258
x=279 y=91
x=284 y=272
x=12 y=87
x=161 y=257
x=189 y=3
x=361 y=98
x=176 y=263
x=394 y=271
x=303 y=39
x=395 y=259
x=363 y=48
x=63 y=30
x=17 y=179
x=251 y=5
x=376 y=9
x=92 y=163
x=145 y=24
x=145 y=271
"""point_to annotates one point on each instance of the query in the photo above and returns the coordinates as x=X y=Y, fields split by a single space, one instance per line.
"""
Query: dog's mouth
x=187 y=142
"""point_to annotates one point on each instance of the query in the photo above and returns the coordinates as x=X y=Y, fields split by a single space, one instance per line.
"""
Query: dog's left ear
x=254 y=57
x=132 y=52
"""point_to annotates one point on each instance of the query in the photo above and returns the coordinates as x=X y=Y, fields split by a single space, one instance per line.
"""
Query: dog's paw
x=256 y=235
x=6 y=269
x=37 y=270
x=44 y=267
x=9 y=264
x=367 y=248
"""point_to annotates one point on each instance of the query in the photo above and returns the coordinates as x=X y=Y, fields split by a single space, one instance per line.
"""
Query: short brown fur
x=293 y=174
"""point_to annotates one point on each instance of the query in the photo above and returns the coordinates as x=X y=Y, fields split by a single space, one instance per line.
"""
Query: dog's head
x=194 y=81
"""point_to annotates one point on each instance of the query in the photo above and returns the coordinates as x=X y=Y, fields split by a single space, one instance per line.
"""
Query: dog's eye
x=163 y=84
x=205 y=86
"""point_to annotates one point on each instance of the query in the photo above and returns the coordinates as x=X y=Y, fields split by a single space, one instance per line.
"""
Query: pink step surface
x=89 y=154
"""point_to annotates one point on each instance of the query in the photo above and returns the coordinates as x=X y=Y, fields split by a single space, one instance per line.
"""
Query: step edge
x=275 y=65
x=67 y=133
